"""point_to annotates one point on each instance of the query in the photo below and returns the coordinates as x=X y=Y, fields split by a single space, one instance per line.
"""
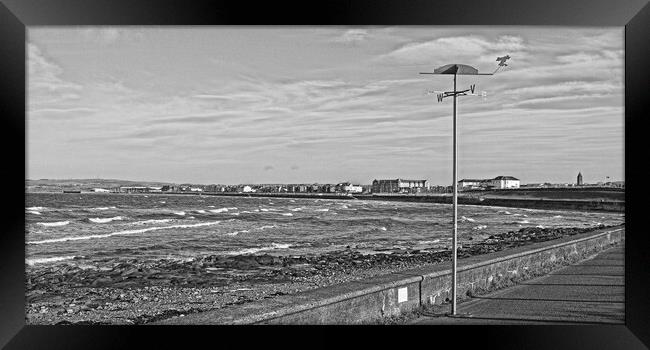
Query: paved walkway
x=589 y=292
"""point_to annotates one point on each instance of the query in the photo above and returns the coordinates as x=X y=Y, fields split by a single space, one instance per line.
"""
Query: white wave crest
x=467 y=219
x=53 y=224
x=36 y=208
x=237 y=232
x=296 y=209
x=322 y=209
x=127 y=232
x=382 y=228
x=523 y=222
x=255 y=250
x=249 y=230
x=180 y=213
x=220 y=210
x=105 y=220
x=539 y=226
x=47 y=260
x=429 y=242
x=103 y=208
x=201 y=211
x=34 y=212
x=286 y=214
x=480 y=227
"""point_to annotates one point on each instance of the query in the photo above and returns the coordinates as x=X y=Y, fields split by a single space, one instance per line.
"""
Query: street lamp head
x=455 y=68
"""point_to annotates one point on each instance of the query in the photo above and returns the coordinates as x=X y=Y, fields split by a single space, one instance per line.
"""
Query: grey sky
x=321 y=104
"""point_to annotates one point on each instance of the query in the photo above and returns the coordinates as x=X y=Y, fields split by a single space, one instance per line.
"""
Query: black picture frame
x=16 y=15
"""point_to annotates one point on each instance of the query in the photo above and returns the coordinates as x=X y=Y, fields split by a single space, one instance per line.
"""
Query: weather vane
x=459 y=69
x=462 y=69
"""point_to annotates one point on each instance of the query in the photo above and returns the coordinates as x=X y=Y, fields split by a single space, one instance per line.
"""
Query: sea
x=84 y=228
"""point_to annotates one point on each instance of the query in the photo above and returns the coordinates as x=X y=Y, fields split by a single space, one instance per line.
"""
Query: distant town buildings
x=389 y=186
x=134 y=189
x=499 y=182
x=399 y=186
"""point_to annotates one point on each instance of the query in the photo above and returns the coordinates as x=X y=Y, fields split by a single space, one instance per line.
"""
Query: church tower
x=579 y=179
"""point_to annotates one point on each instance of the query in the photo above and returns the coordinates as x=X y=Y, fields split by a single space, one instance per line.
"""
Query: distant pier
x=509 y=201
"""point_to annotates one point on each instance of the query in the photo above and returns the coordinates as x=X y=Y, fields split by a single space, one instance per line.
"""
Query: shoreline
x=140 y=292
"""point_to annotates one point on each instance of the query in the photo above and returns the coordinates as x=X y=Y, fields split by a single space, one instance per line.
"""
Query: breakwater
x=551 y=204
x=514 y=202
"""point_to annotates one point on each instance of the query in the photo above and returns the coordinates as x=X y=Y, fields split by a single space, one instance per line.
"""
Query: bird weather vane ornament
x=459 y=69
x=502 y=62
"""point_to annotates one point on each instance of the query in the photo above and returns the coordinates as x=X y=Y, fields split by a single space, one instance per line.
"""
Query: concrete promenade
x=373 y=299
x=589 y=292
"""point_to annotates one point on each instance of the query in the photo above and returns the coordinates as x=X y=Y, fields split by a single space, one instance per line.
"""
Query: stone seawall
x=551 y=204
x=389 y=295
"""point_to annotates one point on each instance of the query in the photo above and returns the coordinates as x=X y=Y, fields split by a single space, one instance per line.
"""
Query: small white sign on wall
x=402 y=294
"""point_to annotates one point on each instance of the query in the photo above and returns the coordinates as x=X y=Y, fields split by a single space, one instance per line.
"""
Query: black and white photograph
x=374 y=175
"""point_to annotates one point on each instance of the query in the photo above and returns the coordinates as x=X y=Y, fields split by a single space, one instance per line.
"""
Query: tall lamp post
x=458 y=69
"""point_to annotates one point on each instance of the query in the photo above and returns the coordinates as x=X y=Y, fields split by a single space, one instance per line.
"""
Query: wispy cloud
x=62 y=110
x=46 y=85
x=464 y=48
x=352 y=36
x=111 y=35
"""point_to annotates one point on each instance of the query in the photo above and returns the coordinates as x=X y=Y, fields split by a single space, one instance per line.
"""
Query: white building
x=247 y=189
x=504 y=182
x=102 y=190
x=350 y=188
x=196 y=189
x=470 y=183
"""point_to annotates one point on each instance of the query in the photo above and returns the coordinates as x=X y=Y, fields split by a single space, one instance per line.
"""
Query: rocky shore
x=138 y=292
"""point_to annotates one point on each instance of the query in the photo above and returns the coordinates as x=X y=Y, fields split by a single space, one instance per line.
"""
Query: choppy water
x=84 y=227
